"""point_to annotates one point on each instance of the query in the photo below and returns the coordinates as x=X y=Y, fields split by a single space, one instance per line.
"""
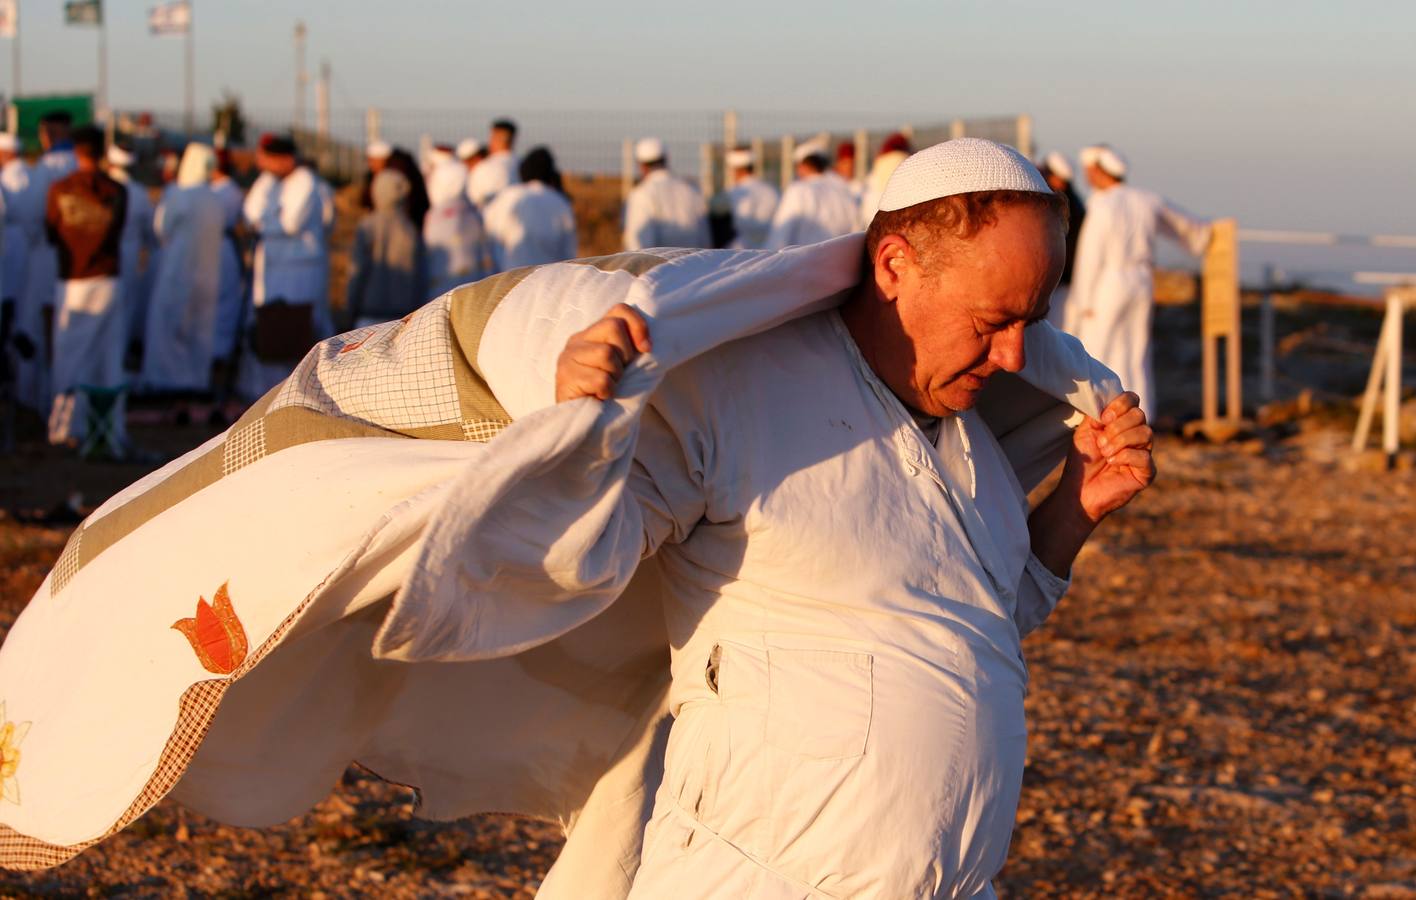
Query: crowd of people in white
x=216 y=291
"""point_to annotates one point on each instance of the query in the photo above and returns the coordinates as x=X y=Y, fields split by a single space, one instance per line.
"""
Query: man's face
x=377 y=164
x=964 y=323
x=500 y=140
x=279 y=164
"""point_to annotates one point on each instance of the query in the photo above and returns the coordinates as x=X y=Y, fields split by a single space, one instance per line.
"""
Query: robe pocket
x=819 y=702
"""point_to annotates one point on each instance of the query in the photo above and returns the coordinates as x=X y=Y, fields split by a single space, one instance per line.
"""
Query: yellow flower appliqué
x=11 y=734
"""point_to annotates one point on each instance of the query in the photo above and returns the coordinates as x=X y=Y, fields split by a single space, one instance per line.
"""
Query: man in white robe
x=753 y=200
x=35 y=312
x=178 y=346
x=532 y=223
x=817 y=206
x=1112 y=297
x=498 y=168
x=453 y=233
x=290 y=215
x=663 y=210
x=84 y=215
x=139 y=246
x=21 y=219
x=849 y=563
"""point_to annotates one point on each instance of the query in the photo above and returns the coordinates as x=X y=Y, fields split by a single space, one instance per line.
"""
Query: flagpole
x=102 y=62
x=13 y=113
x=191 y=83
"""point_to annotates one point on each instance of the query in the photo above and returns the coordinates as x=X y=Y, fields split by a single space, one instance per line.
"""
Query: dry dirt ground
x=1224 y=705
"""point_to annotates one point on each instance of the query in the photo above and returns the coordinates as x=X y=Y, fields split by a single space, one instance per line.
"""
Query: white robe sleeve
x=1189 y=232
x=1038 y=593
x=297 y=199
x=666 y=484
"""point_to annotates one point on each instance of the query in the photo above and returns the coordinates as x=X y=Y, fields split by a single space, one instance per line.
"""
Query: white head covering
x=1105 y=158
x=198 y=162
x=816 y=147
x=739 y=159
x=649 y=150
x=962 y=166
x=446 y=182
x=119 y=157
x=468 y=148
x=378 y=150
x=1058 y=165
x=11 y=144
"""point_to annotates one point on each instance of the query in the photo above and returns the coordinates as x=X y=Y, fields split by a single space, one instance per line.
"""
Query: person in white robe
x=498 y=168
x=1112 y=298
x=178 y=347
x=663 y=210
x=290 y=216
x=84 y=215
x=894 y=150
x=231 y=290
x=470 y=153
x=139 y=247
x=753 y=201
x=817 y=206
x=453 y=238
x=35 y=312
x=849 y=565
x=845 y=167
x=532 y=223
x=21 y=217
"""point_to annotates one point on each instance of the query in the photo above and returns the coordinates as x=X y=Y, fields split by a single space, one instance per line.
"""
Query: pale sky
x=1289 y=114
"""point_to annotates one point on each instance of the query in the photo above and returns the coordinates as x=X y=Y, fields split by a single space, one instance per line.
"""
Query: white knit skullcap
x=816 y=147
x=378 y=150
x=739 y=159
x=1105 y=158
x=649 y=150
x=1058 y=165
x=468 y=148
x=9 y=143
x=960 y=166
x=117 y=156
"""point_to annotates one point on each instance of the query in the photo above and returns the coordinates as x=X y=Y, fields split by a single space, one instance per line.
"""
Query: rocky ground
x=1224 y=705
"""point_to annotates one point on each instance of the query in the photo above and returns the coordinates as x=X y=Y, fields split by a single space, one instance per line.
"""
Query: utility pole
x=322 y=114
x=12 y=115
x=190 y=110
x=300 y=76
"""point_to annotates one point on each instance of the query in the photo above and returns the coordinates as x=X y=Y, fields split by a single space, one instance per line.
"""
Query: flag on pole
x=83 y=12
x=170 y=18
x=9 y=18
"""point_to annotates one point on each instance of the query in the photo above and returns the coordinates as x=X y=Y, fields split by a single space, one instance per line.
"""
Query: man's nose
x=1007 y=349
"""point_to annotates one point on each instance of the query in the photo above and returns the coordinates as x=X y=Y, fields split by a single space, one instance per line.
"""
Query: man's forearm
x=1058 y=528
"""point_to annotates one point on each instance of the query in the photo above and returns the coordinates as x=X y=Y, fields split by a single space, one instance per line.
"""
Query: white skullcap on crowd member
x=649 y=150
x=119 y=157
x=1058 y=165
x=9 y=143
x=809 y=149
x=378 y=150
x=962 y=166
x=739 y=158
x=1105 y=158
x=468 y=148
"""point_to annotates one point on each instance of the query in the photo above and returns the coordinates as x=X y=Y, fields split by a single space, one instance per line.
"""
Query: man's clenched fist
x=594 y=359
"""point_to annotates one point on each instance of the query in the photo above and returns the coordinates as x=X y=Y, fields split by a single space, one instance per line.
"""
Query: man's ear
x=894 y=258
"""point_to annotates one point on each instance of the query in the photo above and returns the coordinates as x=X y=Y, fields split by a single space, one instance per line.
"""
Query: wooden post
x=1025 y=141
x=788 y=148
x=956 y=129
x=1384 y=380
x=759 y=157
x=862 y=158
x=371 y=124
x=626 y=169
x=730 y=130
x=1219 y=320
x=705 y=169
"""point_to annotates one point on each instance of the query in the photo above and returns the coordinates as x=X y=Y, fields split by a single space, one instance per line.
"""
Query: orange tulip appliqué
x=215 y=633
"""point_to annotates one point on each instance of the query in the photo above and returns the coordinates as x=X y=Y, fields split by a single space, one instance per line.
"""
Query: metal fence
x=592 y=142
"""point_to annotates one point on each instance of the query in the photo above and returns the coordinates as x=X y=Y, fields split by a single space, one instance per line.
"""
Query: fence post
x=1267 y=363
x=626 y=169
x=788 y=148
x=862 y=148
x=1025 y=141
x=759 y=158
x=705 y=169
x=956 y=129
x=371 y=124
x=730 y=130
x=1391 y=414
